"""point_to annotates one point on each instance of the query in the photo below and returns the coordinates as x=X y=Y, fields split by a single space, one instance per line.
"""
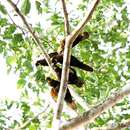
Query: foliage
x=107 y=51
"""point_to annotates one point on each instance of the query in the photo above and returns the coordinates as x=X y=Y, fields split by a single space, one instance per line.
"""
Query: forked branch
x=66 y=61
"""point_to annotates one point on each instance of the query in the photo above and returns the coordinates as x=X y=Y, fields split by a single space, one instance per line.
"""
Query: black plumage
x=73 y=78
x=58 y=58
x=43 y=61
x=79 y=38
x=74 y=62
x=55 y=89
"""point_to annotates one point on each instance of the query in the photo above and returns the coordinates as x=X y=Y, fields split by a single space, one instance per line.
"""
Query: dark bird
x=73 y=78
x=80 y=37
x=74 y=62
x=58 y=58
x=43 y=61
x=54 y=92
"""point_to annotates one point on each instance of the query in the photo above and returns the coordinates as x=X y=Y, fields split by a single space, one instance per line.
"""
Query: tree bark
x=89 y=116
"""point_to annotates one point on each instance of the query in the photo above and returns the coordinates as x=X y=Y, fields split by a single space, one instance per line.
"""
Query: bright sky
x=8 y=86
x=7 y=82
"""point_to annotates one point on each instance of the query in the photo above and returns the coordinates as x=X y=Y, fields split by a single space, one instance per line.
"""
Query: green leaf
x=28 y=65
x=11 y=60
x=2 y=9
x=3 y=22
x=17 y=38
x=128 y=54
x=9 y=30
x=26 y=6
x=100 y=121
x=21 y=83
x=32 y=127
x=2 y=45
x=38 y=7
x=39 y=75
x=25 y=106
x=9 y=105
x=56 y=19
x=1 y=49
x=118 y=2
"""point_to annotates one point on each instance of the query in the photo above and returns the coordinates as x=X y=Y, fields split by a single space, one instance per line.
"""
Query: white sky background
x=8 y=81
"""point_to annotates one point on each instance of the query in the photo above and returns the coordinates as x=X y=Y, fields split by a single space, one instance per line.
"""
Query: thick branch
x=90 y=115
x=66 y=22
x=36 y=39
x=66 y=61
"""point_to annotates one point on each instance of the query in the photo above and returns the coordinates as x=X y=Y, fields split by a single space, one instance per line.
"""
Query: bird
x=58 y=58
x=43 y=61
x=74 y=62
x=73 y=78
x=54 y=93
x=80 y=37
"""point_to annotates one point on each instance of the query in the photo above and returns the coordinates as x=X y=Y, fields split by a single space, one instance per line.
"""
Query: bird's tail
x=72 y=105
x=85 y=67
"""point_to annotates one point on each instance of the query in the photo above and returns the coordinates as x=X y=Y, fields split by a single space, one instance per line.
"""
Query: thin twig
x=36 y=39
x=16 y=24
x=66 y=22
x=29 y=121
x=48 y=42
x=35 y=117
x=86 y=18
x=87 y=117
x=66 y=60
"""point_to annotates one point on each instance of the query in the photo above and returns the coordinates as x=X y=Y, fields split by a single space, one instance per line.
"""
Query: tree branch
x=66 y=61
x=66 y=22
x=90 y=115
x=79 y=99
x=120 y=126
x=82 y=24
x=36 y=39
